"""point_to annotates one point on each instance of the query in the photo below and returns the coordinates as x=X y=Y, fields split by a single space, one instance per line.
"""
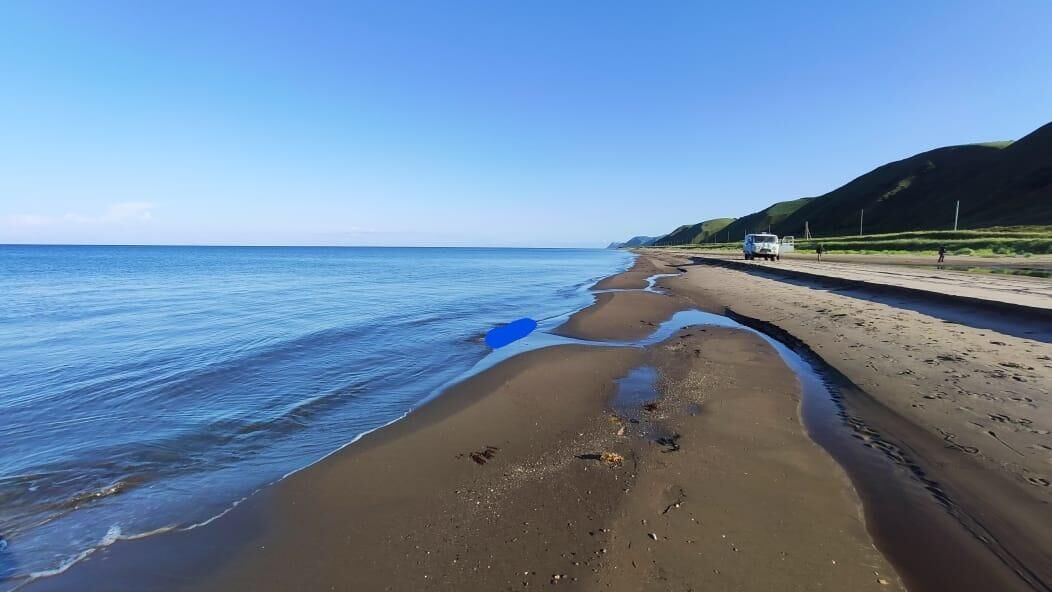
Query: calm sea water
x=146 y=387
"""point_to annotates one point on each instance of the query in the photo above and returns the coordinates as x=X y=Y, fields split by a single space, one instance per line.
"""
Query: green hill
x=767 y=218
x=998 y=184
x=694 y=234
x=635 y=241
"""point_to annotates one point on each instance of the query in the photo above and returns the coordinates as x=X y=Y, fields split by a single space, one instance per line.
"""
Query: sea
x=144 y=389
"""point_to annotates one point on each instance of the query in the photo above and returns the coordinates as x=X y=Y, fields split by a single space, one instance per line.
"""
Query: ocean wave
x=169 y=410
x=44 y=495
x=33 y=500
x=114 y=533
x=191 y=383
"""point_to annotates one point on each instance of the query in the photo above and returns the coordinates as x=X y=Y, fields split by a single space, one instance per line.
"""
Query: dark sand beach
x=618 y=316
x=529 y=475
x=957 y=393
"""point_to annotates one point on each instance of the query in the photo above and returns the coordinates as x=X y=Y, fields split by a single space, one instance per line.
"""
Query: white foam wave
x=114 y=534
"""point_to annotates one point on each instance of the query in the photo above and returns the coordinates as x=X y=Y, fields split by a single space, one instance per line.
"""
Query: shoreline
x=324 y=526
x=923 y=395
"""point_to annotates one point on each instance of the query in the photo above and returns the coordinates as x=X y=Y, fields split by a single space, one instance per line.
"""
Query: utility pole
x=956 y=211
x=860 y=214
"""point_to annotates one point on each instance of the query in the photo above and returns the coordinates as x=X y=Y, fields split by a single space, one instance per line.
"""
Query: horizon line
x=271 y=246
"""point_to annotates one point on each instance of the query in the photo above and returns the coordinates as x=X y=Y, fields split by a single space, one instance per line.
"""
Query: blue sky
x=481 y=123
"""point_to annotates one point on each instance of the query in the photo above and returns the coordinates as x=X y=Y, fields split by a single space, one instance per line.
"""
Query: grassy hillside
x=635 y=241
x=998 y=183
x=694 y=234
x=766 y=218
x=639 y=241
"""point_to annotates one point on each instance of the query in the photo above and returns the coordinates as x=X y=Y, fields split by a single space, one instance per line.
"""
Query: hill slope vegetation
x=767 y=218
x=635 y=241
x=997 y=183
x=696 y=233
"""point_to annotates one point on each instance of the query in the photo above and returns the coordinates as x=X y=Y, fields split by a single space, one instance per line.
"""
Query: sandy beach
x=962 y=390
x=927 y=471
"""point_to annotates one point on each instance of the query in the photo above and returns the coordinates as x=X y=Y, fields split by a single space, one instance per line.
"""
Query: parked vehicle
x=762 y=245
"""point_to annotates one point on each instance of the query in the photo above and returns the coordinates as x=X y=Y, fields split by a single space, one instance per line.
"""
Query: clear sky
x=536 y=123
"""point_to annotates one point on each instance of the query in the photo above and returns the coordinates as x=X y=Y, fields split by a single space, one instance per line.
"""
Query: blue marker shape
x=513 y=331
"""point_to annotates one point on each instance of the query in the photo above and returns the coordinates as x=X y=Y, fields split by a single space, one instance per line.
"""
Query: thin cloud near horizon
x=113 y=213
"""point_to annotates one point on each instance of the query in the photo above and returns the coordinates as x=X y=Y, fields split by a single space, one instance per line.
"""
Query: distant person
x=942 y=253
x=820 y=250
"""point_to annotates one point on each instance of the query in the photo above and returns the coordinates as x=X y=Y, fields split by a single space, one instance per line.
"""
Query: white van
x=762 y=245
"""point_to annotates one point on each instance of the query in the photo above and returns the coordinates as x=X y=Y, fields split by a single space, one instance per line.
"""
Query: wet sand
x=963 y=392
x=500 y=483
x=757 y=508
x=729 y=492
x=626 y=312
x=633 y=278
x=619 y=316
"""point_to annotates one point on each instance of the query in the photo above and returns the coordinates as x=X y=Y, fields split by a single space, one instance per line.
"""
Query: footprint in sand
x=951 y=442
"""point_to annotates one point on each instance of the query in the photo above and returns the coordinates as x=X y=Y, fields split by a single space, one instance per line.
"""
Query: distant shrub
x=964 y=251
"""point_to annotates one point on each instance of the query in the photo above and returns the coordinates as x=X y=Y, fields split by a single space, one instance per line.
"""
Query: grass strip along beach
x=826 y=457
